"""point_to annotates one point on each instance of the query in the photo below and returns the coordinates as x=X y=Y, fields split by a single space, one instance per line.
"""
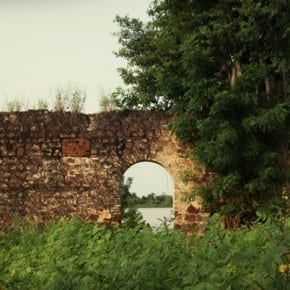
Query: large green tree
x=223 y=69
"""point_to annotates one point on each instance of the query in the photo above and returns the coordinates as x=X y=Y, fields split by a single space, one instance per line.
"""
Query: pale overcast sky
x=47 y=44
x=149 y=177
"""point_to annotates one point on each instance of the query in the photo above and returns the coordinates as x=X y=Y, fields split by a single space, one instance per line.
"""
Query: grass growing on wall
x=75 y=255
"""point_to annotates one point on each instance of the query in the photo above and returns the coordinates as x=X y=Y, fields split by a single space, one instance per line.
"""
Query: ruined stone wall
x=56 y=164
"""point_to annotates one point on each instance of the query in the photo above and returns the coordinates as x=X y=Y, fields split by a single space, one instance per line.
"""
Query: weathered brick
x=61 y=164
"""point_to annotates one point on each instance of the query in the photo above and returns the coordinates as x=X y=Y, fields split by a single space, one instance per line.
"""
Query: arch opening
x=151 y=189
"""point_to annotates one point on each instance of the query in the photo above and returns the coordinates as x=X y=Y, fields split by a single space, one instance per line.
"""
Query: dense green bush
x=75 y=255
x=222 y=68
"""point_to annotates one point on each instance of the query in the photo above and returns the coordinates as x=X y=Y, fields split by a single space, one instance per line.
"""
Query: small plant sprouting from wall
x=61 y=100
x=111 y=101
x=185 y=176
x=42 y=104
x=77 y=99
x=15 y=105
x=107 y=102
x=70 y=99
x=67 y=99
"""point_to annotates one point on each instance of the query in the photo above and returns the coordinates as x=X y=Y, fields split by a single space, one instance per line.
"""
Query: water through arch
x=152 y=189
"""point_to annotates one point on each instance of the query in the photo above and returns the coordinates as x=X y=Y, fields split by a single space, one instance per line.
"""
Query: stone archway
x=64 y=164
x=171 y=156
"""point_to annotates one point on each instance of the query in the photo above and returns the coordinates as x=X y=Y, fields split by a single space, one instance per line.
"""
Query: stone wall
x=56 y=164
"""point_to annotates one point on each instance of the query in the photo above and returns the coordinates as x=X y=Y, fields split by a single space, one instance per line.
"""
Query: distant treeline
x=131 y=200
x=152 y=200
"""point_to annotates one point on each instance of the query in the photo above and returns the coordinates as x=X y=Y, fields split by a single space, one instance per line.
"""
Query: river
x=155 y=216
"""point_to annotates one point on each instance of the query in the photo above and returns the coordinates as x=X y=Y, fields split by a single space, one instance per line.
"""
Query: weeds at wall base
x=71 y=254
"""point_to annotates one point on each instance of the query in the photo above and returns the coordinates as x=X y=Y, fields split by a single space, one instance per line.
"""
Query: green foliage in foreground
x=74 y=255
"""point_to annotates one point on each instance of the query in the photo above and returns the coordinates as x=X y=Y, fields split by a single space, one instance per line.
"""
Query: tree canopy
x=223 y=69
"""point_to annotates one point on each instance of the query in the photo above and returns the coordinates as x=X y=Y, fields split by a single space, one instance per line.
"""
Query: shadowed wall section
x=63 y=164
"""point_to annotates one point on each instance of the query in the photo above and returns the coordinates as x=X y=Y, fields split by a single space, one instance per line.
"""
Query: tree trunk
x=235 y=73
